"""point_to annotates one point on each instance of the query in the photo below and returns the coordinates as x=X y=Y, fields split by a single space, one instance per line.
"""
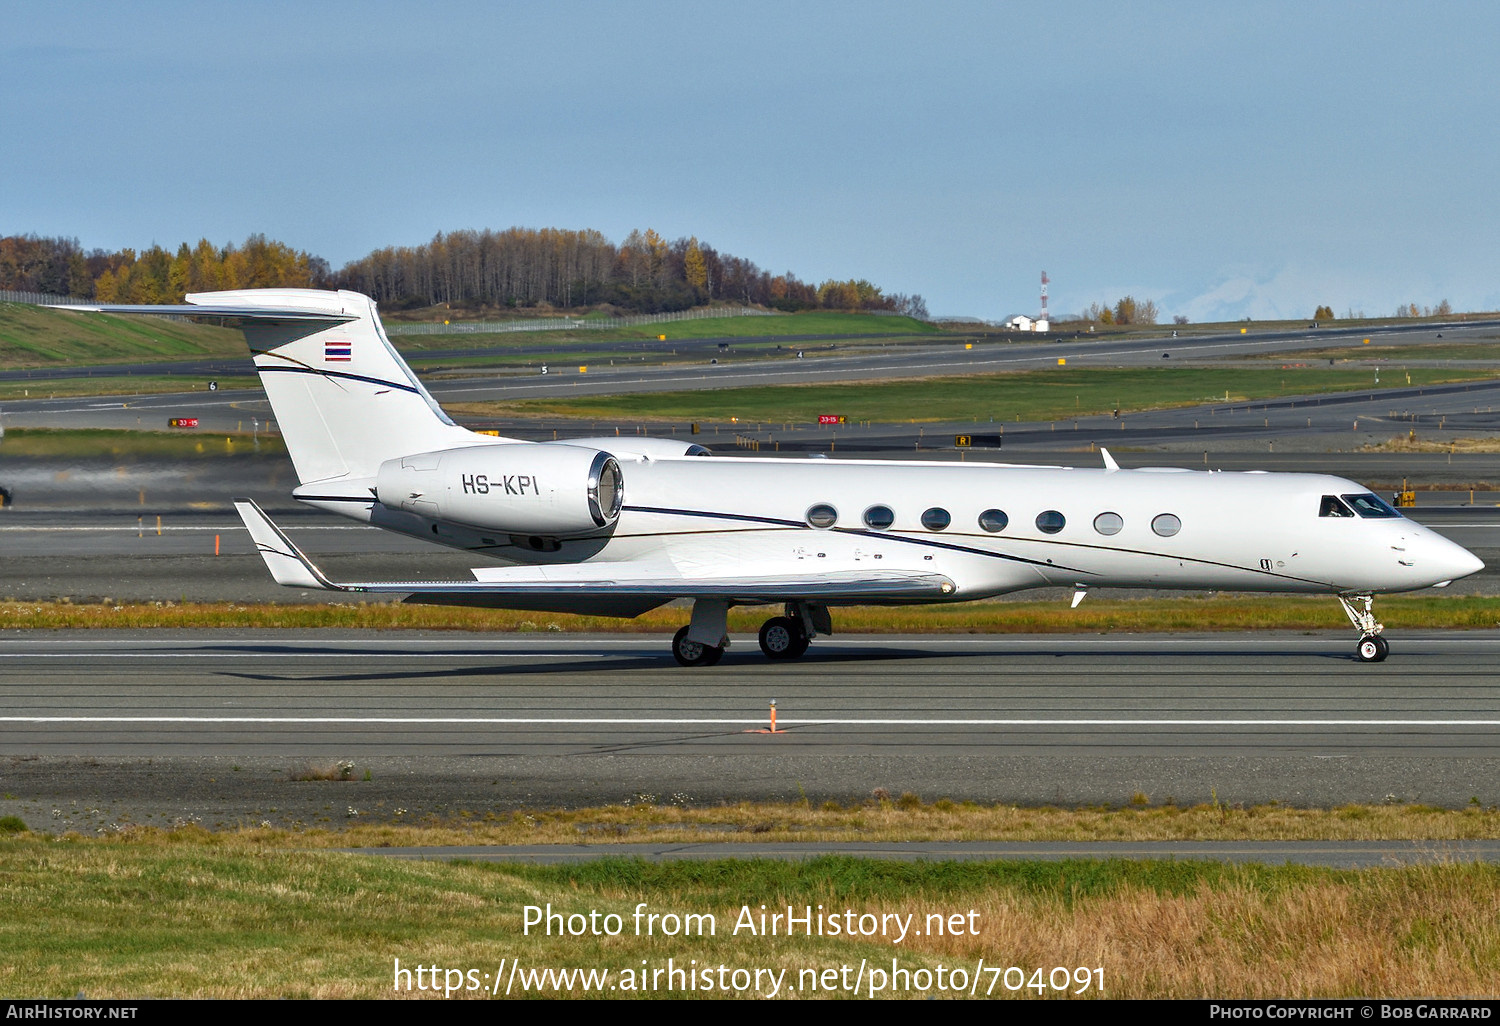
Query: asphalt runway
x=105 y=727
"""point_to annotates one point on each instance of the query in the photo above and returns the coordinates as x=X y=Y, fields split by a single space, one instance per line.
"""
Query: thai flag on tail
x=338 y=351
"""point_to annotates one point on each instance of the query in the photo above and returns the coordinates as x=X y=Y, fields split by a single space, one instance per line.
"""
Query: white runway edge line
x=639 y=721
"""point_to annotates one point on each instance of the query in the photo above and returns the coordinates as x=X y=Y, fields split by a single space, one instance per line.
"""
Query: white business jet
x=618 y=526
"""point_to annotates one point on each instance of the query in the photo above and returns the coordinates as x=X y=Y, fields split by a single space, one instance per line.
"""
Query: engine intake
x=514 y=487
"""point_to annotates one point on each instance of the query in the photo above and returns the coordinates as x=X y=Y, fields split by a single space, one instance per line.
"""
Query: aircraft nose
x=1452 y=561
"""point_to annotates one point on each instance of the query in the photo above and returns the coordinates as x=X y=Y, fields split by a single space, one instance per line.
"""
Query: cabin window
x=1368 y=505
x=1109 y=523
x=1166 y=524
x=936 y=519
x=1333 y=507
x=993 y=520
x=1050 y=521
x=878 y=518
x=822 y=515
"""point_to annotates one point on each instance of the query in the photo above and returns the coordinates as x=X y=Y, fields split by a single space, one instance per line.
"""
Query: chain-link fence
x=42 y=299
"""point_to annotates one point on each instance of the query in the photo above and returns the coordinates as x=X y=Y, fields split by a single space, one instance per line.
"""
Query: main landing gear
x=1372 y=647
x=695 y=653
x=781 y=637
x=787 y=636
x=702 y=642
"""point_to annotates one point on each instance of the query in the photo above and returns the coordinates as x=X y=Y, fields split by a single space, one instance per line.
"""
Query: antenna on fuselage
x=1109 y=461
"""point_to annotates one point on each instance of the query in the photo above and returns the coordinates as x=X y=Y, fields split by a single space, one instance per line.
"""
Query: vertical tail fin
x=343 y=397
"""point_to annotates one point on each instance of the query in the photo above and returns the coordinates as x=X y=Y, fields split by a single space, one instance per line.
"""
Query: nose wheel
x=782 y=637
x=1372 y=647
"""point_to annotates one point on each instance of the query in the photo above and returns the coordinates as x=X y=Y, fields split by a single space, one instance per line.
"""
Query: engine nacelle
x=639 y=447
x=517 y=487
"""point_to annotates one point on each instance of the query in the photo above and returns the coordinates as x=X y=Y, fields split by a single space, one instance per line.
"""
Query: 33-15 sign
x=832 y=418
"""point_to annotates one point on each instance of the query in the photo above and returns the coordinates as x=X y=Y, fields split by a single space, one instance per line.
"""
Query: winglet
x=285 y=561
x=1109 y=461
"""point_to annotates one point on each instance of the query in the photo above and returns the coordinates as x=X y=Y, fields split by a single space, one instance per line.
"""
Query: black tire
x=781 y=637
x=1385 y=648
x=1371 y=649
x=693 y=653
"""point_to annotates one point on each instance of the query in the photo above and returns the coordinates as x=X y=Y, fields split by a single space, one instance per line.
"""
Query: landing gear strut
x=1372 y=647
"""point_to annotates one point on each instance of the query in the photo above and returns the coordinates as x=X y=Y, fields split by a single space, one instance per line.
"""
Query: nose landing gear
x=1372 y=647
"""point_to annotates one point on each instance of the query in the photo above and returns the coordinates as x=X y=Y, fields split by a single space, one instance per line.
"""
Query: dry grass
x=1407 y=444
x=671 y=820
x=1222 y=612
x=326 y=770
x=1407 y=933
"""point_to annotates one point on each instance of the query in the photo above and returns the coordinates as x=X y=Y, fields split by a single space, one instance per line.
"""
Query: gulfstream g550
x=617 y=526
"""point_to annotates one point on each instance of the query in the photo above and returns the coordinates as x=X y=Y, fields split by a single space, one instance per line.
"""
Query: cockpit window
x=1333 y=507
x=1371 y=506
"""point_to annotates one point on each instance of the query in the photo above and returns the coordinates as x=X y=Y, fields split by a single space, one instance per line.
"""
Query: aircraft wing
x=602 y=586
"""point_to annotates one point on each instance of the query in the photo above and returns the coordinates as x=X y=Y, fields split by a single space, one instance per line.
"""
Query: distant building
x=1021 y=322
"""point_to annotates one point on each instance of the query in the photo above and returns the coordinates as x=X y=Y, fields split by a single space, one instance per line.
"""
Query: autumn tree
x=694 y=269
x=57 y=267
x=515 y=267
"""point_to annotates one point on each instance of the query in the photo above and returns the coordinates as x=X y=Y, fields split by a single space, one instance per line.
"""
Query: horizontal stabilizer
x=216 y=313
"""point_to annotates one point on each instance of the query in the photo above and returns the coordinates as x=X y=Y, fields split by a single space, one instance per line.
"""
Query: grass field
x=74 y=443
x=813 y=322
x=31 y=336
x=189 y=915
x=1223 y=612
x=1053 y=394
x=1137 y=817
x=1427 y=351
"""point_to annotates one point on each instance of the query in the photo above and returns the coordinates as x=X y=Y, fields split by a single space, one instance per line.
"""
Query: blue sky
x=1224 y=160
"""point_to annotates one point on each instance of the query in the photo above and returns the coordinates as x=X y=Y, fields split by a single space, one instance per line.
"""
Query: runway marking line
x=905 y=722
